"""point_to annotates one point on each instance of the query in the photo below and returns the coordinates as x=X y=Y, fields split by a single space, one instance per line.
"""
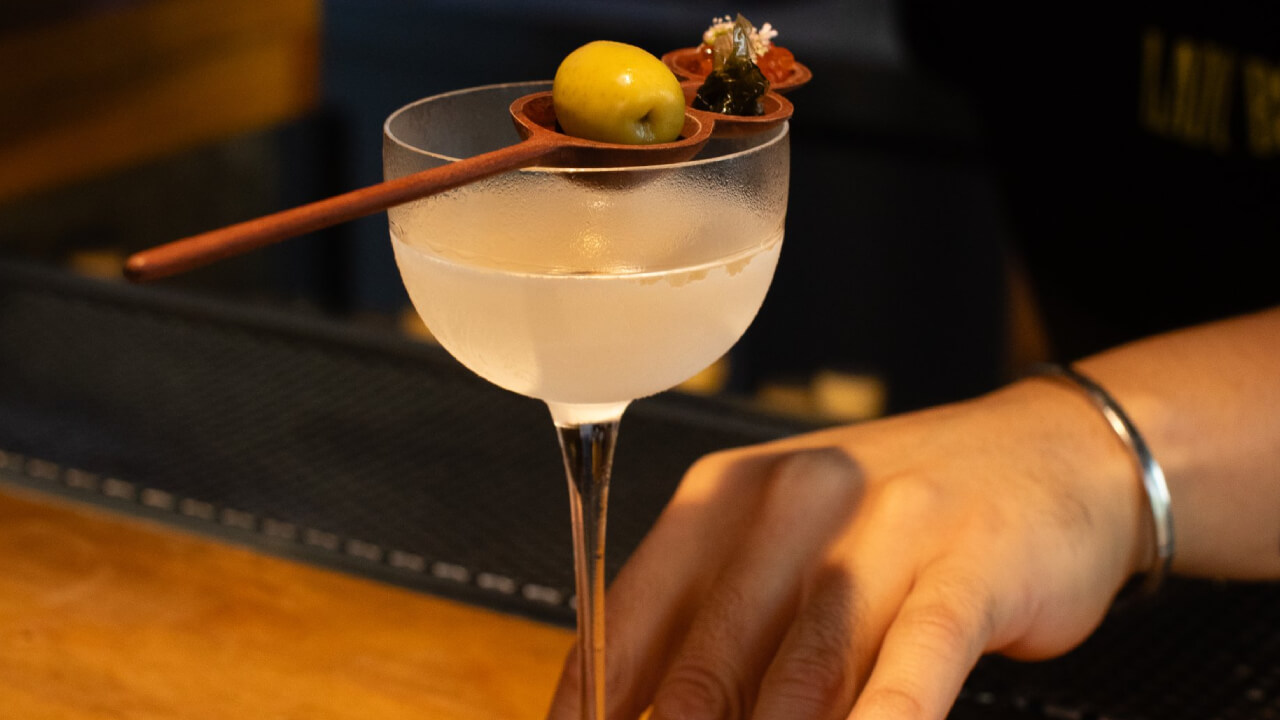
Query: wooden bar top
x=108 y=616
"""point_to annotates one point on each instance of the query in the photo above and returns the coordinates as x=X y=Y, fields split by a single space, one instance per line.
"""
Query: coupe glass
x=584 y=287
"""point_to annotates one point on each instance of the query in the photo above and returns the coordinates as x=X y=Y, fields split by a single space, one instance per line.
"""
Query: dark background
x=892 y=267
x=290 y=364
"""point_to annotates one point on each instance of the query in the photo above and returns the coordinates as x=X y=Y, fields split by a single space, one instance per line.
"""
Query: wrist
x=1150 y=473
x=1073 y=445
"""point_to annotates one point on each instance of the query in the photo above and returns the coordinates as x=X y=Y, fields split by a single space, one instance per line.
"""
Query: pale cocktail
x=585 y=288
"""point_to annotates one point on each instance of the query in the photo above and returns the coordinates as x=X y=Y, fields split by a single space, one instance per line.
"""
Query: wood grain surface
x=103 y=616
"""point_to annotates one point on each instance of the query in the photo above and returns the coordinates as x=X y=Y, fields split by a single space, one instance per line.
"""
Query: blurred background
x=129 y=123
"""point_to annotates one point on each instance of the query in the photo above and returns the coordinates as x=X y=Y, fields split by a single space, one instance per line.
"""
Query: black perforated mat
x=339 y=445
x=359 y=450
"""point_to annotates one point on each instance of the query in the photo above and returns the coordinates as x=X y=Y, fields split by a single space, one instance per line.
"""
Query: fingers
x=941 y=630
x=705 y=599
x=653 y=601
x=816 y=670
x=847 y=643
x=772 y=588
x=747 y=610
x=891 y=620
x=852 y=597
x=655 y=597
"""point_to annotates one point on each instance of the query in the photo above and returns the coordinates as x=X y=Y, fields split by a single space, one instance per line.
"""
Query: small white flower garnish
x=761 y=38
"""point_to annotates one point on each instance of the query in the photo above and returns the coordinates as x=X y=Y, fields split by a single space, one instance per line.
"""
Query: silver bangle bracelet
x=1153 y=481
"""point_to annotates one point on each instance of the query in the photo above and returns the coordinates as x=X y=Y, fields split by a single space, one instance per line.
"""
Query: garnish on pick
x=735 y=85
x=619 y=93
x=775 y=61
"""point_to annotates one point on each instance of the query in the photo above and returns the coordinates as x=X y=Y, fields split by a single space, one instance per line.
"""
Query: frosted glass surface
x=584 y=286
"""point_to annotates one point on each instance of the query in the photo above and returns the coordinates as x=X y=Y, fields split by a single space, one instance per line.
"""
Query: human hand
x=861 y=572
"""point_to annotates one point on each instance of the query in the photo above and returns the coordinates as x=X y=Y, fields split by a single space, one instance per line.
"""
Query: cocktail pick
x=542 y=144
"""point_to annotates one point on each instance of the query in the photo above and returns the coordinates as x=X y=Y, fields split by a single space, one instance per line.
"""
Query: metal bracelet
x=1153 y=480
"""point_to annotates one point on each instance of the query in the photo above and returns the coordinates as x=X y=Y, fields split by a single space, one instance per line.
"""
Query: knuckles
x=807 y=682
x=893 y=702
x=958 y=621
x=692 y=691
x=826 y=465
x=903 y=504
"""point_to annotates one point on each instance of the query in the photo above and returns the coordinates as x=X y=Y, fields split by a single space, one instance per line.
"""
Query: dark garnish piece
x=736 y=86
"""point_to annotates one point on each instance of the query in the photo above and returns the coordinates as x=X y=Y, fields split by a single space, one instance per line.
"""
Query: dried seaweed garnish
x=736 y=85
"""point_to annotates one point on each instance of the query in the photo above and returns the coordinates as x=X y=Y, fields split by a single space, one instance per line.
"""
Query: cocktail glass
x=586 y=288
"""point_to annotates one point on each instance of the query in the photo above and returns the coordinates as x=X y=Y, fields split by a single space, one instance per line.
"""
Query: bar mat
x=361 y=451
x=339 y=445
x=1201 y=650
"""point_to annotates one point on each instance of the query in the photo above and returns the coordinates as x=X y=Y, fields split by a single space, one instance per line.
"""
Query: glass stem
x=588 y=459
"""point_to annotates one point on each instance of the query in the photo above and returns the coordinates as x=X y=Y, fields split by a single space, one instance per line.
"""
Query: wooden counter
x=106 y=616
